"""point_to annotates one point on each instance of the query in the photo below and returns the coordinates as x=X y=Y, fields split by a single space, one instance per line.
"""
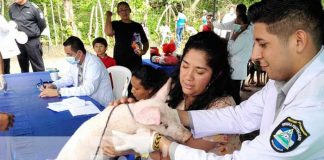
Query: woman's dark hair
x=217 y=54
x=100 y=40
x=150 y=77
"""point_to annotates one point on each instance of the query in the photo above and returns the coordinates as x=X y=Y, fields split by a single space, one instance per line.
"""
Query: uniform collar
x=305 y=76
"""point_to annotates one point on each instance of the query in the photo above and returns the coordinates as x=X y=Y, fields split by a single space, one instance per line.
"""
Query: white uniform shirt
x=240 y=52
x=295 y=134
x=96 y=82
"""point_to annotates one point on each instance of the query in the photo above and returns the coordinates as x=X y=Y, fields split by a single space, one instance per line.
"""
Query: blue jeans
x=179 y=35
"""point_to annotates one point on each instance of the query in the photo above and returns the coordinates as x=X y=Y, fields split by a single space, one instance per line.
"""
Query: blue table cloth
x=167 y=69
x=38 y=133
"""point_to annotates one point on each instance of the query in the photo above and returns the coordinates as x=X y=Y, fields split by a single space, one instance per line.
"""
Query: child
x=100 y=46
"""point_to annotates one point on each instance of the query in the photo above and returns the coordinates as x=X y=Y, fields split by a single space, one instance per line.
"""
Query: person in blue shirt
x=181 y=23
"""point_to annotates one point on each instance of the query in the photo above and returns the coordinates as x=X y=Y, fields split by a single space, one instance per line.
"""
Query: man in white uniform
x=288 y=36
x=87 y=74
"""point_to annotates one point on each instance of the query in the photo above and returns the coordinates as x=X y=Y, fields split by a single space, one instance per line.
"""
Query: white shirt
x=300 y=116
x=228 y=17
x=240 y=52
x=96 y=82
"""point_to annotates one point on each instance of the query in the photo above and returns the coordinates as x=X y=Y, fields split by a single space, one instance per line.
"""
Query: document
x=57 y=106
x=89 y=108
x=75 y=105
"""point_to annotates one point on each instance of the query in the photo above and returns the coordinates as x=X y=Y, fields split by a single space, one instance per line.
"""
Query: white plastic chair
x=120 y=77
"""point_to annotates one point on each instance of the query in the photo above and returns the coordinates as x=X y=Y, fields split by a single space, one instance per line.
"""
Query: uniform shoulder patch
x=288 y=135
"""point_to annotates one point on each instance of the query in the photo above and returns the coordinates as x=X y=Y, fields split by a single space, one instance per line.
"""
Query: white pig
x=152 y=113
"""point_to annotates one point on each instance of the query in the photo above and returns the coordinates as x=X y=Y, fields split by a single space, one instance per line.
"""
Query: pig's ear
x=147 y=115
x=162 y=94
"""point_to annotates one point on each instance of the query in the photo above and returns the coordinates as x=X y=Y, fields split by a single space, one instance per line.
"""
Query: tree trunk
x=54 y=24
x=96 y=22
x=147 y=5
x=112 y=5
x=194 y=5
x=90 y=25
x=60 y=20
x=69 y=16
x=2 y=7
x=47 y=30
x=102 y=19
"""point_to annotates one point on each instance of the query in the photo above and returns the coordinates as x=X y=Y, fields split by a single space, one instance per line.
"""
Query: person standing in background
x=208 y=27
x=130 y=39
x=30 y=19
x=240 y=49
x=225 y=28
x=203 y=19
x=181 y=23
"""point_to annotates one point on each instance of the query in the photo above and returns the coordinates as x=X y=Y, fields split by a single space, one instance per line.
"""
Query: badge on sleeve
x=288 y=135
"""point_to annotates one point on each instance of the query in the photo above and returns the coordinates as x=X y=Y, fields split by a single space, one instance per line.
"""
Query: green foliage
x=82 y=14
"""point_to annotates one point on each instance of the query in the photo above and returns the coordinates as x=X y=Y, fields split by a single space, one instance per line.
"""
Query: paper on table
x=57 y=106
x=89 y=108
x=74 y=102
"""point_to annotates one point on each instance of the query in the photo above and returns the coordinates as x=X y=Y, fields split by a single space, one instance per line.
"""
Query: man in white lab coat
x=289 y=110
x=87 y=74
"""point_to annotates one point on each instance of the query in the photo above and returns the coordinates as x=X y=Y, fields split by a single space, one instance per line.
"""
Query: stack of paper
x=57 y=106
x=75 y=105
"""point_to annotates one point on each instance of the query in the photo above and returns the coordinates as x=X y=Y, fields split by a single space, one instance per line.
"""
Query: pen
x=42 y=83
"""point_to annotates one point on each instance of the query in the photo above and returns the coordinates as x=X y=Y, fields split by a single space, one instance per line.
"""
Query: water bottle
x=137 y=43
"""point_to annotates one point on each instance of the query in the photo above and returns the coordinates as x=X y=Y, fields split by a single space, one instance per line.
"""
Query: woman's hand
x=122 y=100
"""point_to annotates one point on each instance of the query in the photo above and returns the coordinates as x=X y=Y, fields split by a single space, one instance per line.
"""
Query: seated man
x=87 y=74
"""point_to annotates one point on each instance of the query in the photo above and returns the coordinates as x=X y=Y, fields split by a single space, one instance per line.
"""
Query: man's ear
x=162 y=94
x=302 y=40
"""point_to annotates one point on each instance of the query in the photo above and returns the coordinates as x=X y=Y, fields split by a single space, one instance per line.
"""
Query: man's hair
x=75 y=43
x=284 y=17
x=123 y=3
x=210 y=14
x=101 y=41
x=241 y=9
x=243 y=18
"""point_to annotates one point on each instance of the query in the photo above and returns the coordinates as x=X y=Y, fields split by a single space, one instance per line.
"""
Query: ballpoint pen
x=42 y=83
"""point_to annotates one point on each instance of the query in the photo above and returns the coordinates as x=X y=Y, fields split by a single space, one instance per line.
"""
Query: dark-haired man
x=288 y=36
x=87 y=74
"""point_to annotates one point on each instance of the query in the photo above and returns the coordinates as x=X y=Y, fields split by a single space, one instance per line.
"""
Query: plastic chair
x=120 y=78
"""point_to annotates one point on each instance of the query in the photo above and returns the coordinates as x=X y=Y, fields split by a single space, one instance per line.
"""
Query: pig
x=152 y=114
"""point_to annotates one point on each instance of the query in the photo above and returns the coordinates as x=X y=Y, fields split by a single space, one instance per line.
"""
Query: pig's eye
x=166 y=126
